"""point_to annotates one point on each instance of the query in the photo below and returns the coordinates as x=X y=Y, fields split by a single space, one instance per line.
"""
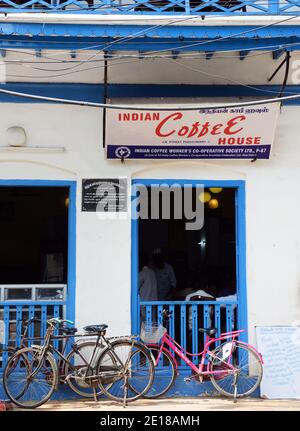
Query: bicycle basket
x=151 y=333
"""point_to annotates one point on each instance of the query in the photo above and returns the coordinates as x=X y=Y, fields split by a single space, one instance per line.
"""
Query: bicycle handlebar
x=31 y=320
x=57 y=321
x=166 y=314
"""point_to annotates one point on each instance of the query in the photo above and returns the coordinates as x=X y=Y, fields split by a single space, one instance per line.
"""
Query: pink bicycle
x=233 y=367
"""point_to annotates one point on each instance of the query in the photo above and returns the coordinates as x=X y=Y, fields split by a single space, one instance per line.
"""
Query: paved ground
x=176 y=404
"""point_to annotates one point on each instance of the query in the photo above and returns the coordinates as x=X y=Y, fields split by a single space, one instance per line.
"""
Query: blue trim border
x=239 y=185
x=71 y=293
x=58 y=32
x=95 y=92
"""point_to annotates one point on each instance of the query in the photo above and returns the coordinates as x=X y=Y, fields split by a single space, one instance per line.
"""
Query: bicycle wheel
x=246 y=374
x=78 y=360
x=165 y=373
x=28 y=380
x=5 y=354
x=125 y=370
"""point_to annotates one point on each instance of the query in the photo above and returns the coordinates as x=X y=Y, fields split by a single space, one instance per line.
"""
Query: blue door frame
x=240 y=213
x=71 y=283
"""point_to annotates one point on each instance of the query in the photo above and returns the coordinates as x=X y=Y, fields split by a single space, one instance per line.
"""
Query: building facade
x=60 y=257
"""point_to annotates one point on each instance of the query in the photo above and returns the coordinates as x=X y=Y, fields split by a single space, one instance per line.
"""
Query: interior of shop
x=33 y=235
x=202 y=260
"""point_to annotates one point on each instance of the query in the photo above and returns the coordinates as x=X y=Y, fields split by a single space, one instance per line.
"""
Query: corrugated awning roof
x=147 y=35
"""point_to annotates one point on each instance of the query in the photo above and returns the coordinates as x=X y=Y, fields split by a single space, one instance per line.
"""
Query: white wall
x=104 y=247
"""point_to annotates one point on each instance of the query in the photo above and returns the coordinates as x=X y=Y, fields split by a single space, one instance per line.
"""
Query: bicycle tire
x=30 y=357
x=221 y=384
x=79 y=386
x=110 y=369
x=10 y=351
x=162 y=383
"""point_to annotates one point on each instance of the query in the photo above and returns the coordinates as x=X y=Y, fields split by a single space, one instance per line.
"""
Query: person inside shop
x=165 y=275
x=147 y=285
x=147 y=281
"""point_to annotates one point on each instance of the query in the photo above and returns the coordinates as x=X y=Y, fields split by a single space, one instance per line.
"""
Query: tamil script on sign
x=229 y=133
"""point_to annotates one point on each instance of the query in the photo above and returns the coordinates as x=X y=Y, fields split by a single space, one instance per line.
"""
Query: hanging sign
x=230 y=133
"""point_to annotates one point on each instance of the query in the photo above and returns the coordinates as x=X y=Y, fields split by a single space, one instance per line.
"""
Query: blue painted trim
x=190 y=302
x=71 y=294
x=77 y=36
x=240 y=199
x=239 y=185
x=135 y=315
x=35 y=183
x=74 y=44
x=29 y=303
x=82 y=92
x=95 y=92
x=70 y=303
x=101 y=30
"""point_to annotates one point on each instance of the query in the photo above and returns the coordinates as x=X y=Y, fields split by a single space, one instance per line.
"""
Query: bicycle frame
x=200 y=370
x=48 y=347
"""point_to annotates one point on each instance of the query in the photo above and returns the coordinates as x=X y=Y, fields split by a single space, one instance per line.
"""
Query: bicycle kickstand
x=125 y=395
x=235 y=394
x=95 y=395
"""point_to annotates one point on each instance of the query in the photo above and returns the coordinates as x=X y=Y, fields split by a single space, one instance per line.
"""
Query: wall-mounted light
x=67 y=202
x=204 y=197
x=216 y=189
x=16 y=136
x=213 y=204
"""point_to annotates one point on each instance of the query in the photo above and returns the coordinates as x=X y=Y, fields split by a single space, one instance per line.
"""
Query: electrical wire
x=184 y=66
x=68 y=73
x=151 y=52
x=145 y=56
x=150 y=108
x=228 y=37
x=210 y=75
x=286 y=74
x=141 y=32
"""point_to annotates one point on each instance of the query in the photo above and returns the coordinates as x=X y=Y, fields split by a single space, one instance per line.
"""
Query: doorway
x=208 y=264
x=37 y=255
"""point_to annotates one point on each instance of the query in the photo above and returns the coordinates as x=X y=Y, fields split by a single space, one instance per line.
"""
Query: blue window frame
x=239 y=186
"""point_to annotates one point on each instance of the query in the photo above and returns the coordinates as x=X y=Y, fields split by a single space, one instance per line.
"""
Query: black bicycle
x=64 y=340
x=120 y=368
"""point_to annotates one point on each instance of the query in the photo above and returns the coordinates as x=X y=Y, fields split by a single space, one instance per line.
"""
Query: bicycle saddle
x=69 y=331
x=210 y=331
x=95 y=328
